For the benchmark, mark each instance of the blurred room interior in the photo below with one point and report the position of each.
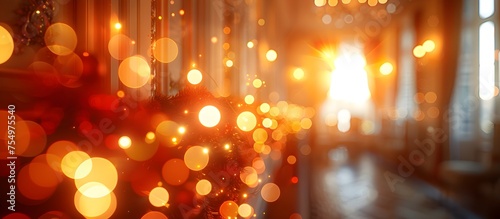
(391, 107)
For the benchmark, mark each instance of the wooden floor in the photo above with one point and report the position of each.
(342, 187)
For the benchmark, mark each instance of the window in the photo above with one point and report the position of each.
(471, 113)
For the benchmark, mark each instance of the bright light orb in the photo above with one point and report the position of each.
(298, 74)
(267, 122)
(203, 187)
(246, 121)
(158, 197)
(209, 116)
(265, 107)
(194, 76)
(386, 68)
(229, 63)
(150, 137)
(320, 3)
(429, 45)
(124, 142)
(249, 99)
(102, 171)
(419, 51)
(257, 83)
(102, 207)
(250, 44)
(245, 210)
(7, 45)
(196, 158)
(271, 55)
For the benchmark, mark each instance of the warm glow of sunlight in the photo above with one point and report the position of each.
(349, 80)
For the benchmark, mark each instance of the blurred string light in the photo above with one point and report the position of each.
(118, 26)
(229, 63)
(261, 22)
(257, 83)
(298, 74)
(420, 50)
(213, 39)
(124, 142)
(250, 44)
(429, 45)
(249, 99)
(194, 76)
(271, 55)
(333, 3)
(209, 116)
(386, 68)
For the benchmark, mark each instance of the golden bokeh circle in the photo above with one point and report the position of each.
(246, 121)
(134, 72)
(228, 209)
(203, 187)
(196, 158)
(165, 50)
(61, 39)
(158, 197)
(7, 45)
(102, 171)
(209, 116)
(270, 192)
